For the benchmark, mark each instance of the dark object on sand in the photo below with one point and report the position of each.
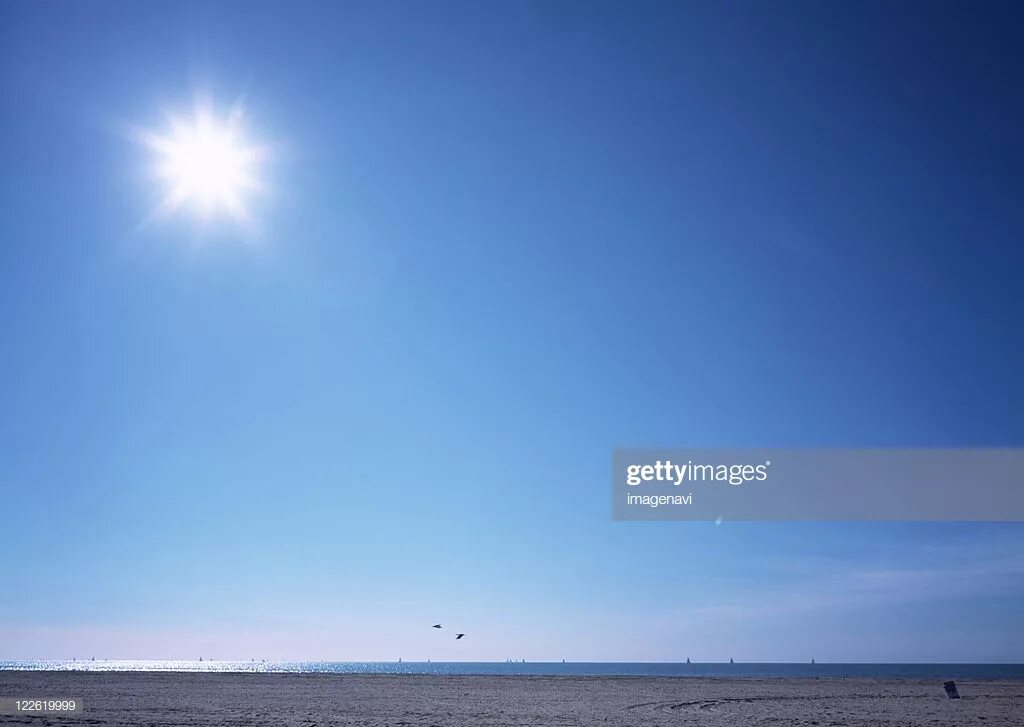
(437, 626)
(458, 636)
(950, 688)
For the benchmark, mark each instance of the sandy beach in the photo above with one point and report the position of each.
(167, 699)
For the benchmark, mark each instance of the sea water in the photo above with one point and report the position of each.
(790, 670)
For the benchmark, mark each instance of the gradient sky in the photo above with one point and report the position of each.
(500, 240)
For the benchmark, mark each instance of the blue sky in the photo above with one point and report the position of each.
(498, 241)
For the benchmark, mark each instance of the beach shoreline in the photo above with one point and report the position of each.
(194, 698)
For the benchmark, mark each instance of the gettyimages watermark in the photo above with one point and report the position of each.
(818, 484)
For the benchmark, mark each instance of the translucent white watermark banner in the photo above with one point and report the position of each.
(818, 484)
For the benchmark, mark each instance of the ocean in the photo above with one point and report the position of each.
(791, 670)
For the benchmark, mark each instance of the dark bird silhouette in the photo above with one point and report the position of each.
(458, 636)
(437, 626)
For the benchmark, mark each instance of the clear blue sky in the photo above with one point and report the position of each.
(500, 240)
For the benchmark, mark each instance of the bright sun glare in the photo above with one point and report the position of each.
(207, 165)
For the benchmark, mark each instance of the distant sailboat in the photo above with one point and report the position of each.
(687, 660)
(563, 661)
(731, 661)
(812, 659)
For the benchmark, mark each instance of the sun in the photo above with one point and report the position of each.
(207, 165)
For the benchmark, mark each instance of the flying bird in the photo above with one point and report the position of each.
(437, 626)
(458, 636)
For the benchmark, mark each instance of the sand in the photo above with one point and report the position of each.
(303, 700)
